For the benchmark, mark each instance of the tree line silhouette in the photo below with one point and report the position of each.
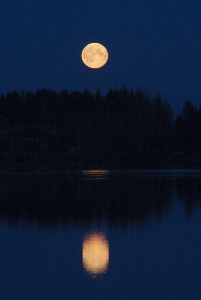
(123, 129)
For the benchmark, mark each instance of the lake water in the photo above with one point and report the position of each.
(100, 235)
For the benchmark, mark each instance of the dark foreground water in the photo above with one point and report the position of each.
(100, 235)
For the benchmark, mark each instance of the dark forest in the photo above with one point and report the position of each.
(121, 130)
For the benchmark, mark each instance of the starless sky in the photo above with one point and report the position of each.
(154, 45)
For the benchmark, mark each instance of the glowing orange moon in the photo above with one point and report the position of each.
(95, 253)
(94, 55)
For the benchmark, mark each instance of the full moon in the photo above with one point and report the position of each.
(94, 55)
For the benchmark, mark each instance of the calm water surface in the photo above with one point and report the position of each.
(100, 236)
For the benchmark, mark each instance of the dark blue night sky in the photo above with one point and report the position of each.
(153, 45)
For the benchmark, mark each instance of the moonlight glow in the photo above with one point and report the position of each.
(94, 55)
(95, 253)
